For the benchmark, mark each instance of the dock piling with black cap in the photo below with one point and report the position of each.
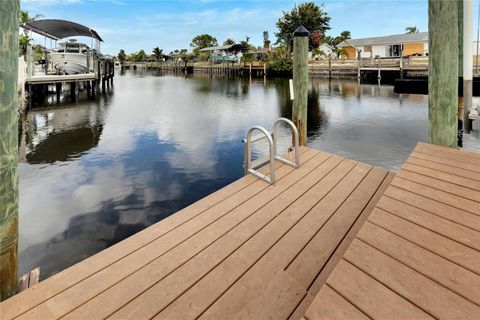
(300, 82)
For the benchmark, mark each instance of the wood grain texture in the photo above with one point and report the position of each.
(340, 308)
(443, 72)
(370, 296)
(300, 87)
(418, 254)
(9, 20)
(410, 284)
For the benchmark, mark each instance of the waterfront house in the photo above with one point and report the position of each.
(230, 53)
(326, 51)
(409, 44)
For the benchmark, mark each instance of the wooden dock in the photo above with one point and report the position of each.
(250, 250)
(332, 239)
(418, 254)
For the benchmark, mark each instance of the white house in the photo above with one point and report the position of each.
(407, 44)
(326, 50)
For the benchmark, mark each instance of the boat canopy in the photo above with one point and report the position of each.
(58, 29)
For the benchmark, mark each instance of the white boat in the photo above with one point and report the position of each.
(70, 58)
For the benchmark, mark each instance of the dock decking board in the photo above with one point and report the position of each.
(418, 254)
(250, 249)
(60, 282)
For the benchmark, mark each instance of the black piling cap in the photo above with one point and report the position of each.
(301, 32)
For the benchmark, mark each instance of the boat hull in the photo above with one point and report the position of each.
(69, 63)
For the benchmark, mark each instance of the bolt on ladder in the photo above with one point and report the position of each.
(272, 139)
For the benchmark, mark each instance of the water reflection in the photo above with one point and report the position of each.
(368, 122)
(100, 170)
(63, 134)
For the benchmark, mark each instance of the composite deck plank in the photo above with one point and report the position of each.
(317, 284)
(420, 246)
(155, 251)
(452, 276)
(454, 231)
(340, 308)
(370, 296)
(61, 281)
(438, 195)
(425, 293)
(464, 192)
(460, 182)
(445, 211)
(211, 286)
(471, 175)
(277, 258)
(310, 260)
(204, 244)
(446, 161)
(432, 241)
(461, 155)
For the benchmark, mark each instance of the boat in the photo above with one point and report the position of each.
(71, 57)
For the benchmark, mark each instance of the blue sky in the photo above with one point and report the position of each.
(144, 24)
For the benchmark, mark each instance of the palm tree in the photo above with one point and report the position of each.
(157, 52)
(25, 17)
(24, 39)
(229, 41)
(413, 29)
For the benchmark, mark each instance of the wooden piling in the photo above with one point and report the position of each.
(467, 63)
(401, 61)
(330, 67)
(89, 89)
(9, 20)
(73, 91)
(300, 82)
(443, 72)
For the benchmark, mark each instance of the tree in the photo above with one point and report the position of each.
(203, 41)
(335, 41)
(345, 35)
(157, 53)
(122, 56)
(228, 42)
(245, 47)
(266, 39)
(141, 55)
(413, 29)
(24, 39)
(138, 56)
(316, 37)
(308, 14)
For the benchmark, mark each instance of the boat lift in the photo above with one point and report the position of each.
(272, 139)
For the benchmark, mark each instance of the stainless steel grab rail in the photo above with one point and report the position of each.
(248, 155)
(272, 141)
(296, 162)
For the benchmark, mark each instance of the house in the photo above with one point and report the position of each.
(407, 44)
(326, 51)
(229, 53)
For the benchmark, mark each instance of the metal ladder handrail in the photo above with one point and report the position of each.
(296, 162)
(272, 141)
(248, 154)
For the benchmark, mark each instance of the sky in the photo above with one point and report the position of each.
(144, 24)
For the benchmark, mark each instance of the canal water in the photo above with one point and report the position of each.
(96, 171)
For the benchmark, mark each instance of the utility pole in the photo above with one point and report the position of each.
(9, 21)
(443, 72)
(300, 82)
